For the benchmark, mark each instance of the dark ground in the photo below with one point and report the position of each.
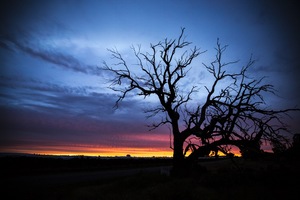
(95, 178)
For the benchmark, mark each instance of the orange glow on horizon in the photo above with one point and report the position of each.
(100, 151)
(103, 152)
(109, 151)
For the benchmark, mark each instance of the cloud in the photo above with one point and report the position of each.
(48, 97)
(28, 128)
(51, 55)
(84, 101)
(41, 113)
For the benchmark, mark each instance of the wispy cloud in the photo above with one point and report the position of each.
(51, 55)
(84, 101)
(24, 128)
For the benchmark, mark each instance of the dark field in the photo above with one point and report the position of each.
(131, 178)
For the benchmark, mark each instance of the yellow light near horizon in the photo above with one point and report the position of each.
(104, 151)
(116, 152)
(134, 152)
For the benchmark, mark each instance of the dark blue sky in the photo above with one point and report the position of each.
(53, 97)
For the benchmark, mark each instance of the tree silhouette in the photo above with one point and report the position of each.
(232, 114)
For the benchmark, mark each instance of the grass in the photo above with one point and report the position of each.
(222, 185)
(252, 180)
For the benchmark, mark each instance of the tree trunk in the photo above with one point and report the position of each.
(178, 157)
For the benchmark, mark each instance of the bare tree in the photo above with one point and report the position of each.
(232, 115)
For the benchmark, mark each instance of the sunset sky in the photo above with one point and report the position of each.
(55, 100)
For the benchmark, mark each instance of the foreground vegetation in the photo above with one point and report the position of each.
(214, 179)
(210, 186)
(44, 164)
